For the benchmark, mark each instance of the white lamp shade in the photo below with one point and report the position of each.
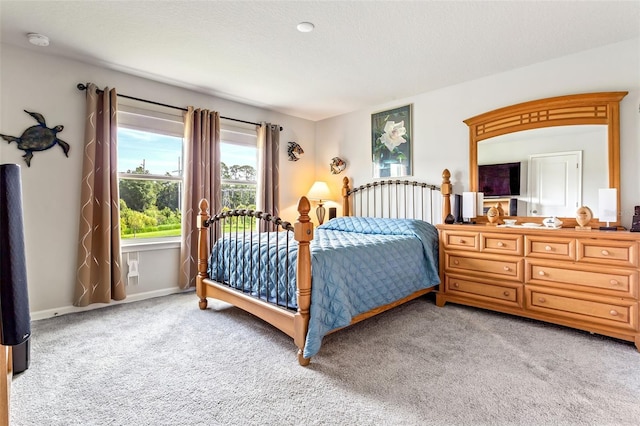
(607, 204)
(480, 204)
(319, 191)
(469, 205)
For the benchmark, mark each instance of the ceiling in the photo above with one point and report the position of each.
(361, 53)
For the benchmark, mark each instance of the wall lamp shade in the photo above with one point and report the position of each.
(319, 191)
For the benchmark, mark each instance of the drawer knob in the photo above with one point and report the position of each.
(462, 241)
(506, 294)
(614, 282)
(506, 268)
(547, 248)
(605, 252)
(500, 244)
(541, 273)
(456, 285)
(613, 312)
(541, 299)
(455, 262)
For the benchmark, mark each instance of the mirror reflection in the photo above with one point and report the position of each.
(544, 172)
(560, 165)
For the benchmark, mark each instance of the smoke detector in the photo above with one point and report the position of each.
(38, 39)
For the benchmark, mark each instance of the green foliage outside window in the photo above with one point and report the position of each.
(151, 208)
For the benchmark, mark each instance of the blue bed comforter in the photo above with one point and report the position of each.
(263, 265)
(358, 264)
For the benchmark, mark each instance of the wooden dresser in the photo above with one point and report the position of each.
(577, 278)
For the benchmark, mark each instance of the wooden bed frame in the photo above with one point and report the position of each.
(295, 323)
(6, 374)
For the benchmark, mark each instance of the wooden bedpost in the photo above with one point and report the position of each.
(303, 233)
(345, 197)
(446, 189)
(6, 375)
(203, 252)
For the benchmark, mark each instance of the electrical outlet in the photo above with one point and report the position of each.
(133, 269)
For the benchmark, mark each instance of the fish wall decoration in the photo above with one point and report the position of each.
(294, 151)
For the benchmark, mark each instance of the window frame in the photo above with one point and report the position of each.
(151, 118)
(244, 136)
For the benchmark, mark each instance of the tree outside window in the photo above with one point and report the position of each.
(149, 199)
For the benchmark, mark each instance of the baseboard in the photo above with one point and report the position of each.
(49, 313)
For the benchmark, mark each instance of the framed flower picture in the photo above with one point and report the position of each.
(391, 142)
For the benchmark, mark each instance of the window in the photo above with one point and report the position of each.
(150, 152)
(150, 172)
(239, 167)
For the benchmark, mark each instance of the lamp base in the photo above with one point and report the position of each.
(320, 210)
(608, 228)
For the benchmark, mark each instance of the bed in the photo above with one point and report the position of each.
(311, 282)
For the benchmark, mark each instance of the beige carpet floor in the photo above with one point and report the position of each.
(165, 362)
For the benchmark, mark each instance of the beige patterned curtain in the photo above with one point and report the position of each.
(268, 197)
(99, 275)
(201, 180)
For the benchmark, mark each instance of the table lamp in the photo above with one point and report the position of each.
(319, 191)
(608, 208)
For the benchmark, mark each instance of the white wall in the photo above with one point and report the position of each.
(46, 84)
(441, 139)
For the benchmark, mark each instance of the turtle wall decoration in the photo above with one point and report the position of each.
(38, 138)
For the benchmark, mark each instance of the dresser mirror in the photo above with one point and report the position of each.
(547, 157)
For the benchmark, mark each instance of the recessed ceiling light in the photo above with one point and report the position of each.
(38, 39)
(305, 27)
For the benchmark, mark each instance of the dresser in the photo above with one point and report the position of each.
(585, 279)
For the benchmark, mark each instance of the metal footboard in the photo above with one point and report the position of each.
(249, 250)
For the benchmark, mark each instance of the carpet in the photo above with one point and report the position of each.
(163, 361)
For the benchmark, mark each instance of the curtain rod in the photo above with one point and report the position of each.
(82, 86)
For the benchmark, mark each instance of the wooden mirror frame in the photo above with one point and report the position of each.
(589, 108)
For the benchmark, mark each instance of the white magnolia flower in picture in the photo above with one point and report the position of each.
(391, 141)
(393, 134)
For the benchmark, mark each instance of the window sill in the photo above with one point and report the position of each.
(128, 246)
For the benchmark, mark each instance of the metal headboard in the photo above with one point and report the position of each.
(395, 198)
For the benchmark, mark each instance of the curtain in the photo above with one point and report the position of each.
(99, 267)
(268, 197)
(201, 180)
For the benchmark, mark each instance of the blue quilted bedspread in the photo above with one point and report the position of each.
(357, 263)
(263, 265)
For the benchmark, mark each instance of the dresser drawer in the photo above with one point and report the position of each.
(461, 240)
(550, 247)
(505, 267)
(610, 281)
(489, 290)
(501, 243)
(580, 306)
(619, 253)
